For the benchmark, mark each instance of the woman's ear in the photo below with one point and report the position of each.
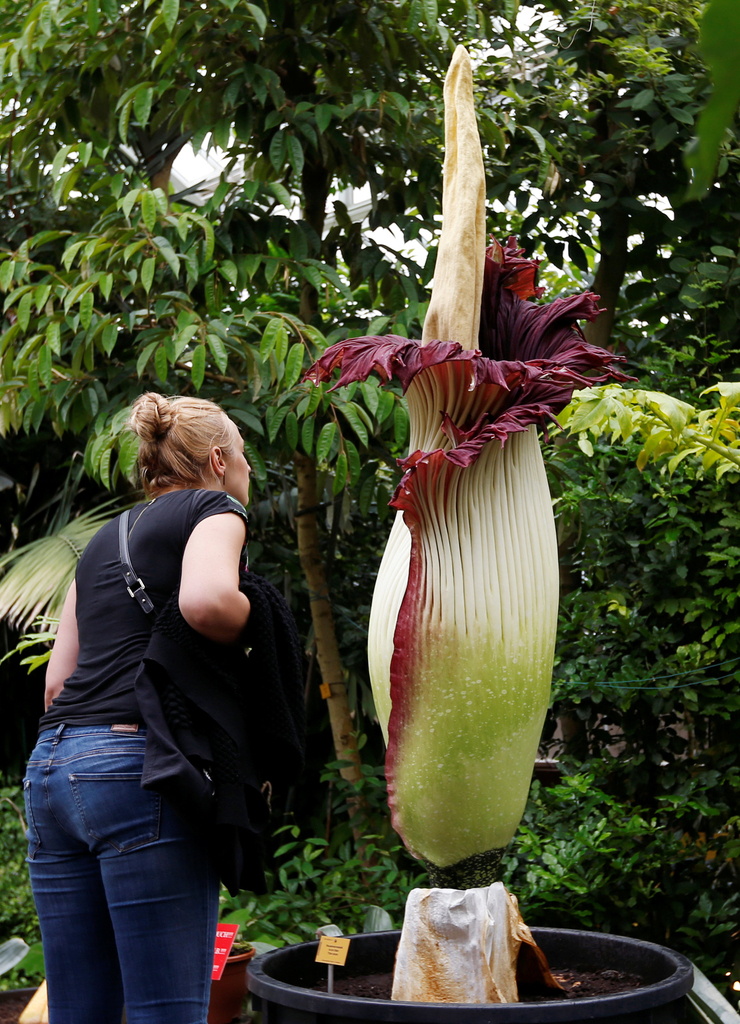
(217, 463)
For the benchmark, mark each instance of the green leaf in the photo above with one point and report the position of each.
(270, 336)
(218, 349)
(294, 365)
(6, 274)
(278, 149)
(160, 364)
(353, 456)
(147, 273)
(53, 337)
(93, 17)
(168, 253)
(126, 204)
(109, 337)
(229, 272)
(340, 474)
(24, 311)
(366, 496)
(198, 369)
(325, 440)
(259, 16)
(307, 435)
(400, 424)
(144, 357)
(719, 42)
(170, 11)
(148, 209)
(295, 154)
(256, 462)
(143, 104)
(86, 309)
(323, 116)
(274, 419)
(291, 430)
(353, 417)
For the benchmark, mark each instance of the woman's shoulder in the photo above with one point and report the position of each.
(203, 503)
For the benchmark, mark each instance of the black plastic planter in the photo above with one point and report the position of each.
(280, 983)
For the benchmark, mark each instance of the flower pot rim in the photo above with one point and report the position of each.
(235, 958)
(669, 989)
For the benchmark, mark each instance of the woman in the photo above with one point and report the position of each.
(126, 893)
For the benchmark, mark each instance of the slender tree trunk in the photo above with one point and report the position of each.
(327, 649)
(315, 181)
(610, 274)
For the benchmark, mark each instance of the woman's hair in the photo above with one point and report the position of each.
(176, 437)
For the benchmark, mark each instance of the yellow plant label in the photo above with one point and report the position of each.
(325, 690)
(332, 950)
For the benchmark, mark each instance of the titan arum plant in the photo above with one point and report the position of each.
(462, 628)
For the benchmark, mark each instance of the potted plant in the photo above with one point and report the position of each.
(462, 627)
(230, 990)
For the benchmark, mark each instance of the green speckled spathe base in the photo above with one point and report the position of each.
(474, 872)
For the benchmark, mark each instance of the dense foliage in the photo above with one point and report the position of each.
(113, 283)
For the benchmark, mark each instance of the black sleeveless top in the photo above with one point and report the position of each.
(113, 630)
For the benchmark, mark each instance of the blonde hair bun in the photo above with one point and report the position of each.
(176, 437)
(152, 416)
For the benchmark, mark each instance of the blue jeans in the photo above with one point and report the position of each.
(125, 892)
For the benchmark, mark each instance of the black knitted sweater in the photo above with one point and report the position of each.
(221, 721)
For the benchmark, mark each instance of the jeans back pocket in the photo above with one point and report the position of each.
(31, 833)
(116, 810)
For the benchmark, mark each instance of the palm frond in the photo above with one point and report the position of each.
(39, 574)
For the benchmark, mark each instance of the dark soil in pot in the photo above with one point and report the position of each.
(281, 983)
(579, 983)
(13, 1003)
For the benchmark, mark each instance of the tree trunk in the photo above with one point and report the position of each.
(315, 181)
(613, 237)
(327, 649)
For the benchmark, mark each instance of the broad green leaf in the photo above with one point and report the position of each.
(270, 336)
(149, 210)
(353, 417)
(86, 309)
(6, 274)
(307, 435)
(126, 204)
(229, 272)
(295, 154)
(53, 336)
(219, 352)
(323, 116)
(353, 457)
(143, 104)
(274, 419)
(256, 462)
(160, 364)
(340, 474)
(719, 42)
(259, 16)
(198, 368)
(294, 365)
(147, 273)
(93, 16)
(109, 337)
(400, 424)
(170, 11)
(278, 149)
(324, 442)
(291, 430)
(24, 310)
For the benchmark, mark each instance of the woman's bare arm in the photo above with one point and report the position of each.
(66, 649)
(210, 599)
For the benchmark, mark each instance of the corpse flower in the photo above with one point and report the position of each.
(462, 628)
